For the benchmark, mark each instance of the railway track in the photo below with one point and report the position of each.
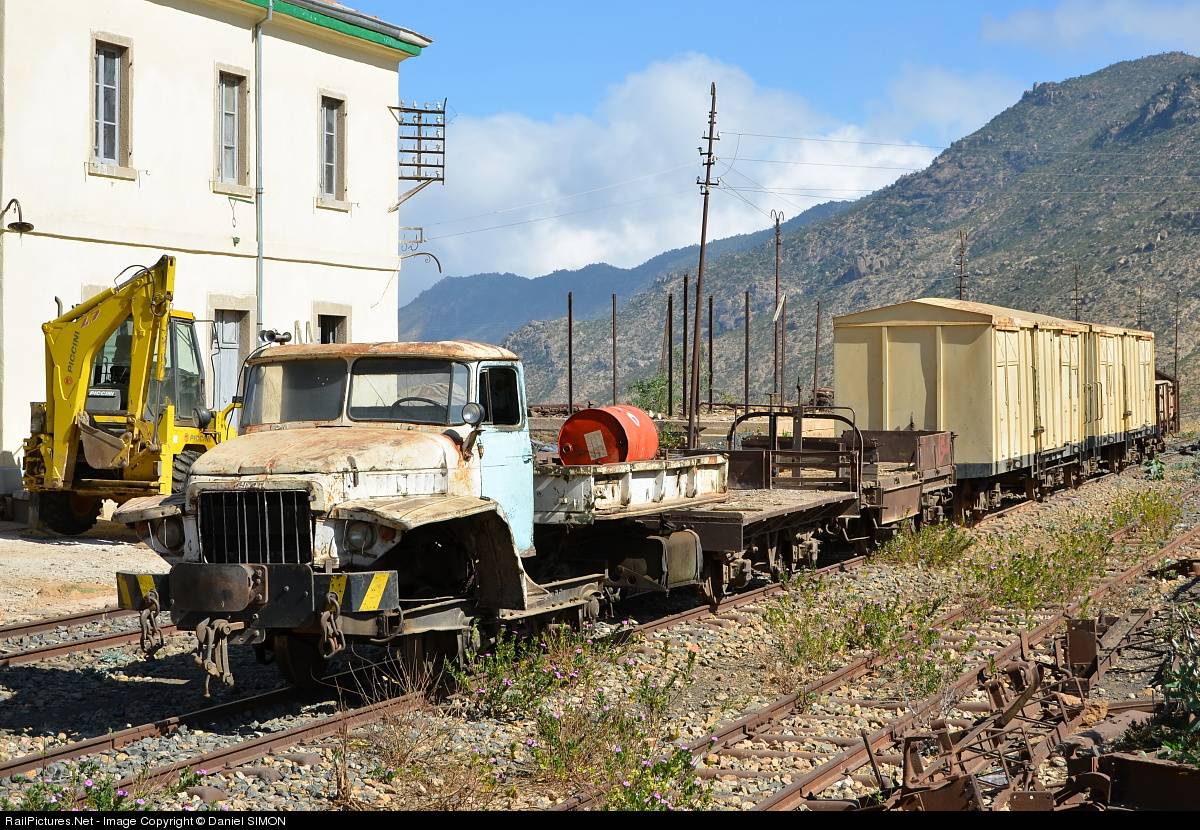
(25, 629)
(840, 753)
(245, 751)
(817, 751)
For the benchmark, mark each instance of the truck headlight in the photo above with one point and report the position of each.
(169, 532)
(360, 535)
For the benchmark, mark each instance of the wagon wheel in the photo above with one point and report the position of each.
(299, 659)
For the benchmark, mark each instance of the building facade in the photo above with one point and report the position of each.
(129, 130)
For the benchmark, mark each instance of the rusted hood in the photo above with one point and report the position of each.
(327, 450)
(408, 512)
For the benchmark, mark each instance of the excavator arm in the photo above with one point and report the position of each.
(72, 343)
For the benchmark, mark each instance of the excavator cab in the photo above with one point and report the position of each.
(125, 414)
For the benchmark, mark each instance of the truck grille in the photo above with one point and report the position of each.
(258, 527)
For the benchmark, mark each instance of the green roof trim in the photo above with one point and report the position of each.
(327, 22)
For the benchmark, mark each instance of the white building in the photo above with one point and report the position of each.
(128, 130)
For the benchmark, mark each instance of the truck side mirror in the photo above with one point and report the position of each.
(203, 415)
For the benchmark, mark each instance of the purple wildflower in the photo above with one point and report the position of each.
(89, 783)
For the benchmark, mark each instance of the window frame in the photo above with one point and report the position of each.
(479, 390)
(240, 183)
(450, 400)
(335, 198)
(118, 164)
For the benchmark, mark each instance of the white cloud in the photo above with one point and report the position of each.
(1074, 23)
(647, 129)
(942, 103)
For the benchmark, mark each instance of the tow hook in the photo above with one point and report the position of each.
(152, 637)
(212, 650)
(332, 638)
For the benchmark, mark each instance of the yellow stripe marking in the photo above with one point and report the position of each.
(145, 583)
(337, 586)
(123, 600)
(375, 592)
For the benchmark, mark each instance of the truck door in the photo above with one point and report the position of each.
(506, 468)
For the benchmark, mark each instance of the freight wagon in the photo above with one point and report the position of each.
(1035, 402)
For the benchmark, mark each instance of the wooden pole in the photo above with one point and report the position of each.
(670, 354)
(570, 353)
(710, 353)
(614, 348)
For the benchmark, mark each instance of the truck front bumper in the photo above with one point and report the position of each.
(263, 596)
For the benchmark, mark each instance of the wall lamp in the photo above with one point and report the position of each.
(20, 226)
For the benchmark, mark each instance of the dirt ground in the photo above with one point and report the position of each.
(45, 575)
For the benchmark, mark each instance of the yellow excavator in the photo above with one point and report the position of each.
(124, 414)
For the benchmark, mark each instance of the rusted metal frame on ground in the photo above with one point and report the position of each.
(9, 632)
(35, 655)
(852, 759)
(241, 753)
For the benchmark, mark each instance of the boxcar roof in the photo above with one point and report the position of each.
(940, 309)
(447, 349)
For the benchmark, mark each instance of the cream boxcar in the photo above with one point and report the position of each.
(1034, 401)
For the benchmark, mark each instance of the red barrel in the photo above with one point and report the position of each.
(608, 435)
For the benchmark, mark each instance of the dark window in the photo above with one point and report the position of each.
(500, 396)
(331, 328)
(409, 390)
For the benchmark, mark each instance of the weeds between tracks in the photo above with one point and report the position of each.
(816, 626)
(591, 715)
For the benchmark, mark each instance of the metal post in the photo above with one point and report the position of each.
(705, 189)
(783, 352)
(1178, 295)
(962, 264)
(670, 354)
(746, 359)
(614, 347)
(570, 353)
(816, 353)
(683, 398)
(710, 353)
(776, 377)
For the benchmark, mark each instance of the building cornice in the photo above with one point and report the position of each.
(348, 22)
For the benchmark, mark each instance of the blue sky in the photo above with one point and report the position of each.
(553, 99)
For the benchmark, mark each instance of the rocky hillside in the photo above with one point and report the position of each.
(1097, 172)
(488, 307)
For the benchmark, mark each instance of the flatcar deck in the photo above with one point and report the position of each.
(747, 513)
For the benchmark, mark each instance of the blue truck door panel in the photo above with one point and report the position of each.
(506, 468)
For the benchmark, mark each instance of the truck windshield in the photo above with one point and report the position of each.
(295, 390)
(411, 390)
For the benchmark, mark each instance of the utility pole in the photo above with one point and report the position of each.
(1139, 305)
(816, 353)
(570, 354)
(683, 402)
(705, 189)
(614, 347)
(777, 379)
(1178, 296)
(746, 359)
(1076, 299)
(962, 264)
(670, 354)
(710, 353)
